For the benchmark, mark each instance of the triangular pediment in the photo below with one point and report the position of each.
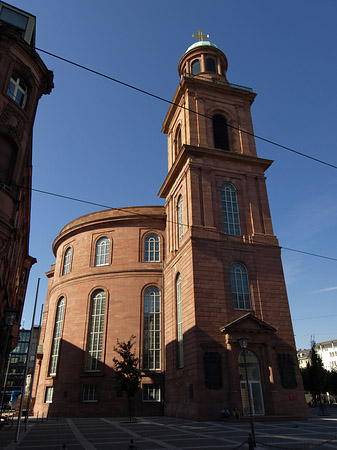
(247, 323)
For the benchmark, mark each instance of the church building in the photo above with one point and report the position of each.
(188, 279)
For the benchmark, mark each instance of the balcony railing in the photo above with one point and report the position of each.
(215, 80)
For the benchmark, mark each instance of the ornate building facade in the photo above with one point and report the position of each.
(23, 80)
(188, 279)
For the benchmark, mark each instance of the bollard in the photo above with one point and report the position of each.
(64, 447)
(42, 417)
(131, 446)
(37, 416)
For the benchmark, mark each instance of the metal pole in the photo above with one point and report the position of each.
(251, 439)
(33, 373)
(4, 385)
(26, 367)
(4, 362)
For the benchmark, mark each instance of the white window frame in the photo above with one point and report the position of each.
(230, 210)
(49, 393)
(151, 393)
(152, 329)
(19, 87)
(55, 351)
(152, 248)
(102, 252)
(240, 287)
(67, 261)
(89, 393)
(95, 332)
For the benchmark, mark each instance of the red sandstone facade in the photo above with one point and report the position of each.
(219, 275)
(23, 80)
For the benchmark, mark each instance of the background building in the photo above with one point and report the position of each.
(16, 364)
(326, 350)
(23, 80)
(187, 280)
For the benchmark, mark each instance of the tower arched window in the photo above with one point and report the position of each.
(210, 65)
(240, 287)
(230, 209)
(67, 261)
(17, 90)
(152, 248)
(180, 335)
(55, 351)
(195, 67)
(178, 142)
(220, 132)
(95, 332)
(152, 329)
(180, 219)
(102, 253)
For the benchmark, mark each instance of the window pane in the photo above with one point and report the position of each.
(95, 332)
(102, 253)
(180, 336)
(230, 214)
(67, 261)
(152, 248)
(180, 219)
(152, 329)
(220, 132)
(240, 286)
(196, 67)
(55, 351)
(210, 65)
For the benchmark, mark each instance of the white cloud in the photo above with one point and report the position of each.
(333, 288)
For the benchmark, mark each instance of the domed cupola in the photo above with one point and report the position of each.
(203, 60)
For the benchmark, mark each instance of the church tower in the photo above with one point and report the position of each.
(223, 276)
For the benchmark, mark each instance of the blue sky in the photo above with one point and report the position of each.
(89, 129)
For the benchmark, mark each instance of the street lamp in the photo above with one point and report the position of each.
(10, 318)
(243, 341)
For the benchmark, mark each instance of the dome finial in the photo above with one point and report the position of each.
(200, 36)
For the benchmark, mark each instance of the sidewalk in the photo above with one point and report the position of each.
(152, 433)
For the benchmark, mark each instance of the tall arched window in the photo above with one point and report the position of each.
(230, 210)
(240, 286)
(152, 248)
(195, 67)
(102, 253)
(210, 65)
(254, 389)
(67, 261)
(178, 142)
(180, 335)
(55, 351)
(220, 132)
(95, 332)
(180, 219)
(152, 329)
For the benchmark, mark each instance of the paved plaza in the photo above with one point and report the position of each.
(169, 433)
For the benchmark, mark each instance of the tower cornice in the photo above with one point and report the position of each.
(189, 152)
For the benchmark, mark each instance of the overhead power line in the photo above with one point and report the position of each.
(67, 197)
(158, 97)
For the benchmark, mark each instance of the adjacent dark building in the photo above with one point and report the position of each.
(23, 80)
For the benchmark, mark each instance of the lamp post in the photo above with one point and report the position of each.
(251, 438)
(10, 318)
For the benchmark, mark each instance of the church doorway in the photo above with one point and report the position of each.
(254, 384)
